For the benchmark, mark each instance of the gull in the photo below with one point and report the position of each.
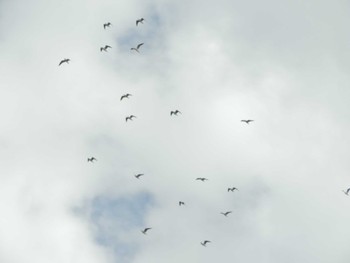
(247, 121)
(145, 230)
(105, 48)
(176, 112)
(181, 203)
(125, 96)
(139, 21)
(204, 243)
(66, 60)
(137, 47)
(226, 213)
(202, 179)
(130, 117)
(232, 189)
(92, 159)
(347, 191)
(138, 176)
(106, 25)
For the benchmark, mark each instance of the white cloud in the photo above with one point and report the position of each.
(282, 64)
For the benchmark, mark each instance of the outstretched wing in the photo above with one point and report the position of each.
(139, 45)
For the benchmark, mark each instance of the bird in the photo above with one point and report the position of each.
(181, 203)
(204, 243)
(202, 179)
(130, 117)
(105, 48)
(138, 176)
(232, 189)
(106, 25)
(145, 230)
(247, 121)
(176, 112)
(125, 96)
(137, 47)
(66, 60)
(226, 213)
(92, 159)
(347, 191)
(139, 21)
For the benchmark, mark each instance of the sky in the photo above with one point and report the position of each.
(282, 64)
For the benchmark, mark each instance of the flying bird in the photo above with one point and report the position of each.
(202, 179)
(106, 25)
(247, 121)
(66, 60)
(181, 203)
(145, 230)
(232, 189)
(130, 117)
(204, 243)
(125, 96)
(137, 47)
(92, 159)
(139, 21)
(105, 48)
(176, 112)
(226, 213)
(138, 176)
(347, 191)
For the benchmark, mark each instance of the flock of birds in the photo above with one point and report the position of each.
(173, 112)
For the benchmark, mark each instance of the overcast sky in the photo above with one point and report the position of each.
(284, 64)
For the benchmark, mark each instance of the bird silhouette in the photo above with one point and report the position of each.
(202, 179)
(181, 203)
(92, 159)
(226, 213)
(347, 191)
(105, 48)
(204, 243)
(247, 121)
(125, 96)
(232, 189)
(145, 230)
(137, 47)
(106, 25)
(139, 21)
(176, 112)
(66, 60)
(130, 118)
(138, 176)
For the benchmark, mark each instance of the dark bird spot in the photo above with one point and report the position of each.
(105, 48)
(204, 243)
(130, 117)
(106, 25)
(247, 121)
(226, 213)
(66, 60)
(145, 230)
(137, 47)
(125, 96)
(138, 176)
(202, 179)
(92, 159)
(139, 21)
(176, 112)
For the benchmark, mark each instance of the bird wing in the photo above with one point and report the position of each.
(106, 46)
(139, 45)
(122, 97)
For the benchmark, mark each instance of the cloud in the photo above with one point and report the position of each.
(282, 64)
